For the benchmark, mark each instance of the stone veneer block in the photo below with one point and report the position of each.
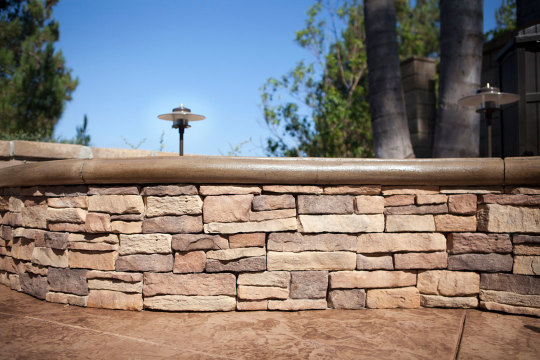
(524, 200)
(309, 284)
(519, 310)
(309, 260)
(172, 224)
(272, 214)
(463, 243)
(406, 298)
(247, 227)
(250, 264)
(127, 217)
(353, 190)
(189, 284)
(467, 302)
(116, 204)
(525, 249)
(520, 284)
(434, 260)
(527, 265)
(34, 285)
(368, 204)
(480, 262)
(410, 190)
(509, 219)
(293, 189)
(113, 190)
(189, 242)
(341, 223)
(248, 292)
(267, 278)
(472, 190)
(297, 304)
(107, 299)
(169, 190)
(503, 297)
(90, 246)
(95, 260)
(398, 200)
(247, 240)
(14, 282)
(273, 202)
(115, 275)
(234, 254)
(431, 199)
(33, 217)
(22, 249)
(50, 257)
(70, 299)
(15, 204)
(227, 208)
(325, 204)
(114, 285)
(68, 227)
(383, 262)
(252, 305)
(153, 263)
(522, 190)
(384, 242)
(296, 242)
(464, 204)
(71, 281)
(448, 283)
(190, 303)
(526, 239)
(74, 239)
(190, 262)
(56, 191)
(145, 244)
(173, 205)
(97, 223)
(371, 279)
(126, 227)
(229, 189)
(396, 223)
(347, 299)
(417, 209)
(447, 223)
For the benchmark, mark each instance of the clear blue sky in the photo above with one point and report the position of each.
(137, 59)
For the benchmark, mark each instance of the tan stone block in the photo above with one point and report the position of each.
(190, 303)
(116, 204)
(252, 305)
(173, 224)
(4, 203)
(93, 246)
(22, 249)
(431, 199)
(468, 302)
(14, 282)
(17, 219)
(353, 190)
(272, 214)
(4, 278)
(34, 217)
(410, 190)
(309, 284)
(267, 278)
(384, 242)
(229, 189)
(113, 190)
(296, 242)
(297, 304)
(434, 260)
(92, 238)
(293, 189)
(472, 190)
(67, 215)
(448, 223)
(234, 254)
(525, 200)
(145, 244)
(347, 299)
(115, 275)
(139, 262)
(462, 204)
(448, 283)
(97, 223)
(369, 204)
(526, 249)
(96, 260)
(56, 297)
(522, 190)
(417, 210)
(527, 265)
(504, 297)
(35, 269)
(519, 310)
(125, 227)
(227, 208)
(341, 223)
(115, 285)
(247, 240)
(68, 202)
(273, 202)
(395, 223)
(171, 190)
(50, 257)
(463, 243)
(189, 242)
(191, 262)
(398, 200)
(308, 260)
(364, 262)
(107, 299)
(261, 226)
(508, 219)
(371, 279)
(325, 204)
(173, 205)
(248, 292)
(249, 264)
(189, 284)
(15, 204)
(67, 227)
(407, 298)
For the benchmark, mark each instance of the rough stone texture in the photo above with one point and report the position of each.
(467, 302)
(472, 190)
(371, 279)
(93, 246)
(227, 208)
(68, 227)
(56, 240)
(50, 257)
(247, 227)
(58, 297)
(448, 283)
(268, 278)
(383, 262)
(115, 275)
(145, 244)
(297, 304)
(309, 284)
(33, 217)
(480, 262)
(247, 240)
(273, 202)
(15, 204)
(248, 292)
(434, 260)
(503, 297)
(189, 242)
(309, 260)
(447, 223)
(163, 190)
(526, 239)
(173, 205)
(527, 265)
(296, 242)
(272, 214)
(525, 200)
(522, 190)
(408, 190)
(190, 303)
(97, 223)
(113, 190)
(520, 284)
(384, 243)
(116, 204)
(14, 282)
(463, 243)
(229, 190)
(353, 190)
(75, 239)
(252, 305)
(398, 200)
(96, 260)
(115, 285)
(127, 217)
(417, 209)
(526, 249)
(431, 199)
(17, 219)
(191, 262)
(341, 223)
(173, 224)
(234, 254)
(36, 286)
(251, 264)
(407, 298)
(509, 219)
(325, 204)
(462, 204)
(293, 189)
(124, 227)
(71, 281)
(22, 249)
(189, 284)
(114, 300)
(36, 269)
(154, 262)
(347, 299)
(519, 310)
(395, 223)
(368, 204)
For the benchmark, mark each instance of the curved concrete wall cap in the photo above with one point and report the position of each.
(215, 169)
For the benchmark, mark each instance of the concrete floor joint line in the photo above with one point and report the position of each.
(460, 338)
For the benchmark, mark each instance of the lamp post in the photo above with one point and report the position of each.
(181, 117)
(488, 100)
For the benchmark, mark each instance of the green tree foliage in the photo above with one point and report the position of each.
(35, 84)
(417, 28)
(505, 16)
(82, 137)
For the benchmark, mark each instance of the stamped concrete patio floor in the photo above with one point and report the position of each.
(33, 329)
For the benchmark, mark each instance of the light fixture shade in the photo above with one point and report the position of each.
(488, 97)
(180, 115)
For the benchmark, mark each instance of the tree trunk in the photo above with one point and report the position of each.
(457, 128)
(391, 138)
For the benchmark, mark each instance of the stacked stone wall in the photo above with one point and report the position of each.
(191, 247)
